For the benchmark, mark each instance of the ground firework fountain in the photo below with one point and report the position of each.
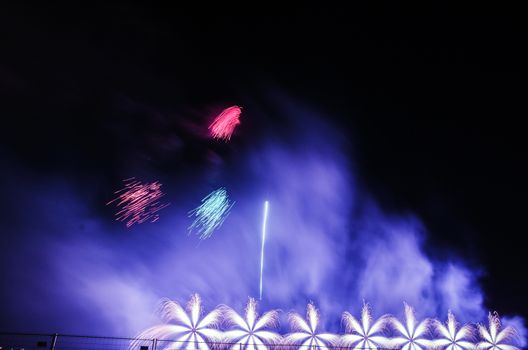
(256, 333)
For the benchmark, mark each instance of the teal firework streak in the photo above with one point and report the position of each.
(211, 213)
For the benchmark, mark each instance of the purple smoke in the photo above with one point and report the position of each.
(327, 241)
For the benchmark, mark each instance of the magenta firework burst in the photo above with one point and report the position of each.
(138, 202)
(224, 124)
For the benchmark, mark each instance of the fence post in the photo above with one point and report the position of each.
(240, 346)
(154, 343)
(53, 341)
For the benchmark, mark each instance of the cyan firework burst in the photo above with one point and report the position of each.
(211, 213)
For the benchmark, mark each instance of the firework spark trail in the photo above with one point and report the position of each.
(186, 330)
(453, 337)
(264, 225)
(412, 335)
(211, 213)
(138, 202)
(306, 334)
(181, 330)
(224, 124)
(493, 338)
(364, 335)
(251, 333)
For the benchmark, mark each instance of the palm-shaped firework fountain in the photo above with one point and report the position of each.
(364, 334)
(184, 330)
(251, 332)
(453, 337)
(493, 338)
(306, 334)
(411, 335)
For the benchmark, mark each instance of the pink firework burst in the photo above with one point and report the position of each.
(224, 124)
(138, 202)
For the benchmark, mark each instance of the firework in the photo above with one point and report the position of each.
(493, 338)
(184, 330)
(264, 224)
(250, 333)
(364, 335)
(224, 124)
(211, 213)
(188, 330)
(412, 335)
(306, 331)
(138, 202)
(453, 337)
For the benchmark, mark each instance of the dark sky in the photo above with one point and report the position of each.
(432, 99)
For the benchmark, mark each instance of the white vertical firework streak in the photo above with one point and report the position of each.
(264, 226)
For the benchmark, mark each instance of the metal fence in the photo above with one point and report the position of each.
(31, 341)
(24, 341)
(28, 341)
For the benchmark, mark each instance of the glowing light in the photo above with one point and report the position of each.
(187, 331)
(364, 335)
(251, 333)
(138, 202)
(183, 330)
(306, 334)
(211, 213)
(493, 338)
(453, 338)
(264, 224)
(412, 335)
(224, 124)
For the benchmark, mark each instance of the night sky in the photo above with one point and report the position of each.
(429, 101)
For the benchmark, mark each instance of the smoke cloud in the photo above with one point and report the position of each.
(75, 271)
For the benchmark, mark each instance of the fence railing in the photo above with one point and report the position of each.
(32, 341)
(35, 341)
